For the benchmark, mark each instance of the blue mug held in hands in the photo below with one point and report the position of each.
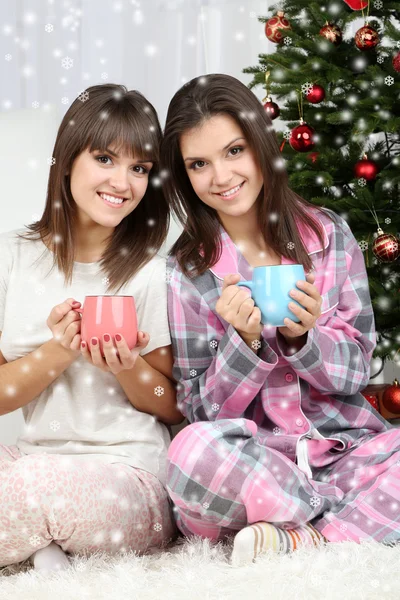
(270, 287)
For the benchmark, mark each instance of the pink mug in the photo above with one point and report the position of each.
(109, 314)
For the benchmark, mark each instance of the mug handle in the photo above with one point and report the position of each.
(248, 284)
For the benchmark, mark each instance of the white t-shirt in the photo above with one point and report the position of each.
(84, 412)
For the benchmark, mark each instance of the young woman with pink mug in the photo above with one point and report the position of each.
(97, 409)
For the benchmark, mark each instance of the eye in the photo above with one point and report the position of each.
(198, 164)
(102, 160)
(143, 171)
(236, 150)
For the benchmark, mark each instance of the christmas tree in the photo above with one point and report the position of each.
(336, 87)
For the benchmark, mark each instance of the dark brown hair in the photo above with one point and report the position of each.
(101, 116)
(195, 102)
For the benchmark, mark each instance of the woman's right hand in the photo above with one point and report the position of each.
(65, 325)
(237, 308)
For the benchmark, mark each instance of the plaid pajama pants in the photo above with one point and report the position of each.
(222, 477)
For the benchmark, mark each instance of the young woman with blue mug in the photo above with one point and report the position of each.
(282, 448)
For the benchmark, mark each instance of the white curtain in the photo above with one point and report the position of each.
(50, 50)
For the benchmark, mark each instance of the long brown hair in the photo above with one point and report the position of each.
(198, 100)
(103, 115)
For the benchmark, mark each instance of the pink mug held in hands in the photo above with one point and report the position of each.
(109, 314)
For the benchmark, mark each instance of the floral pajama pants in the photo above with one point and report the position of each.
(83, 505)
(222, 476)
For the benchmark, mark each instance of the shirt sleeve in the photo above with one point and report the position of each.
(336, 357)
(218, 375)
(151, 308)
(5, 270)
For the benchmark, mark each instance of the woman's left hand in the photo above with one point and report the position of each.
(311, 300)
(116, 358)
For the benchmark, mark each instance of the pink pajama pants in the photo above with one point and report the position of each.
(84, 506)
(222, 476)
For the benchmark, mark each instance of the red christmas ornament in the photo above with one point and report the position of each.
(366, 168)
(366, 38)
(386, 247)
(274, 24)
(357, 4)
(391, 398)
(313, 156)
(396, 62)
(272, 109)
(301, 138)
(316, 95)
(332, 33)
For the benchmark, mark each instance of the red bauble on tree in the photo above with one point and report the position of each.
(366, 168)
(274, 24)
(366, 38)
(313, 156)
(357, 4)
(386, 247)
(391, 398)
(301, 138)
(331, 32)
(271, 108)
(316, 95)
(396, 62)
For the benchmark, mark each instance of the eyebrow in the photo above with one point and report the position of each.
(144, 160)
(224, 148)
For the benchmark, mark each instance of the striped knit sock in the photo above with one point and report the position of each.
(260, 537)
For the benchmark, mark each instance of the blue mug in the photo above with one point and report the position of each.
(270, 287)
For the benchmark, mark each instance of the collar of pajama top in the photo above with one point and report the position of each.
(306, 404)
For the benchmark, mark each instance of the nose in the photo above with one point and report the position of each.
(119, 180)
(222, 175)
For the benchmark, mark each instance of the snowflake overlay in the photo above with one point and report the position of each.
(362, 182)
(256, 344)
(83, 96)
(215, 407)
(307, 87)
(389, 80)
(363, 245)
(315, 501)
(67, 63)
(159, 390)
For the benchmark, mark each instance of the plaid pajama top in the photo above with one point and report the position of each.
(304, 404)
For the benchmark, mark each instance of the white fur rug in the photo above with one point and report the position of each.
(197, 569)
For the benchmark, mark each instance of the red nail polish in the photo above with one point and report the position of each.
(83, 344)
(106, 337)
(118, 337)
(94, 342)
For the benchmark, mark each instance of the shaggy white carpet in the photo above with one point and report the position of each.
(197, 569)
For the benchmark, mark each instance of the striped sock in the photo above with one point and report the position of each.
(260, 537)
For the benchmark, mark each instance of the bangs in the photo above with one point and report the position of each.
(125, 133)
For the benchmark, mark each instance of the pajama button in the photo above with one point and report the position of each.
(289, 377)
(299, 422)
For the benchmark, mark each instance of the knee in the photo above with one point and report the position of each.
(190, 437)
